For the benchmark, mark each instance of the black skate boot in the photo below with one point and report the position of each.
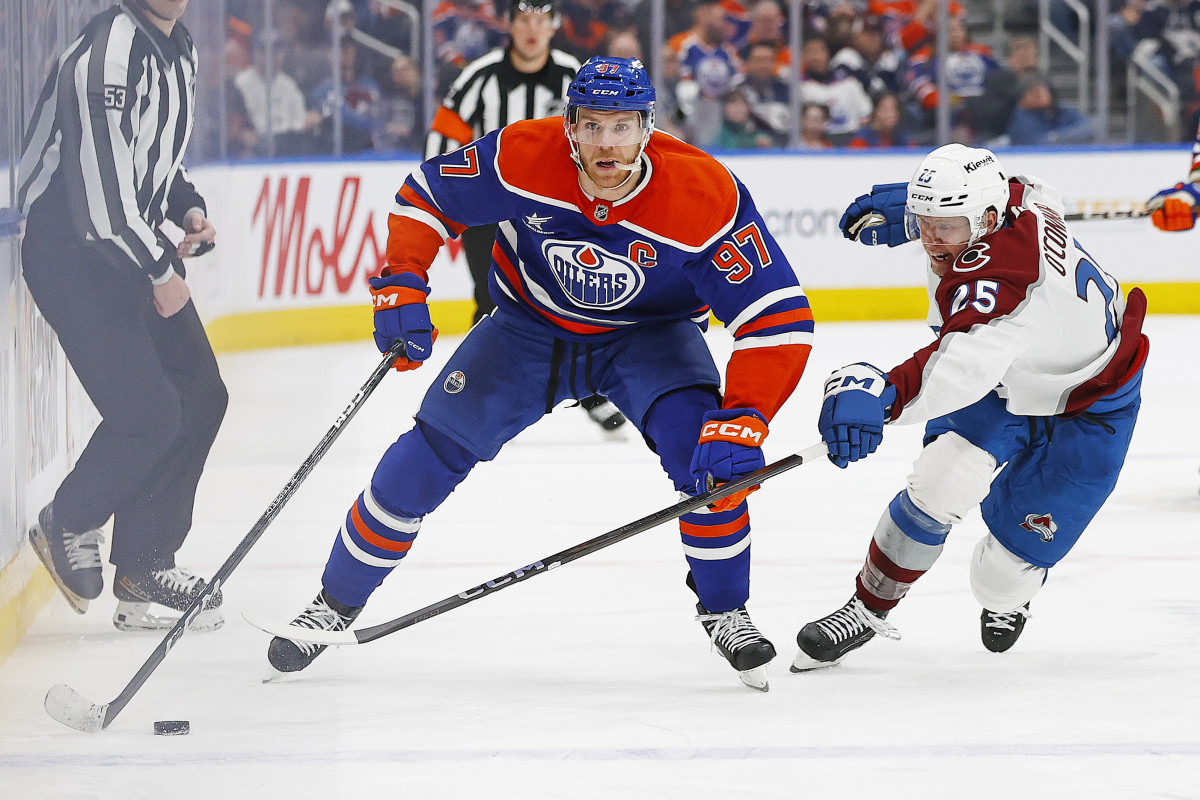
(736, 638)
(322, 614)
(1001, 631)
(603, 412)
(142, 593)
(824, 641)
(72, 559)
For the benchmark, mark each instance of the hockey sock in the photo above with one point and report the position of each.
(906, 543)
(717, 547)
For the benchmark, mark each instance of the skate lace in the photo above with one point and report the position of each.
(318, 616)
(851, 620)
(177, 579)
(1005, 620)
(83, 549)
(732, 629)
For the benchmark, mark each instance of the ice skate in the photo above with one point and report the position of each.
(143, 597)
(824, 641)
(603, 413)
(736, 638)
(72, 559)
(322, 614)
(1000, 631)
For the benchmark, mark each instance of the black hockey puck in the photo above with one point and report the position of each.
(172, 727)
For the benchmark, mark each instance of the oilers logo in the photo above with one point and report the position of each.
(455, 382)
(592, 276)
(1041, 524)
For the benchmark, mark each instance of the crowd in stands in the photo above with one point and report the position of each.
(869, 70)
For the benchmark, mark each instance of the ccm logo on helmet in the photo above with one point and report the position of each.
(730, 431)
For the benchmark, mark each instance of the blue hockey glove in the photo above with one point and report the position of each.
(853, 412)
(401, 313)
(878, 217)
(1175, 208)
(730, 447)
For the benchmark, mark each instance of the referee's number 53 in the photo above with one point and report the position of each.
(114, 97)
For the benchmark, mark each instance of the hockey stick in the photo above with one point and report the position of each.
(364, 635)
(75, 711)
(865, 226)
(1125, 213)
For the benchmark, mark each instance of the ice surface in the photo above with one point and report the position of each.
(594, 681)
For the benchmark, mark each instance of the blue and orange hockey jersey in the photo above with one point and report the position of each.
(686, 241)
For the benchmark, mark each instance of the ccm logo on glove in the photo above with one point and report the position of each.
(737, 431)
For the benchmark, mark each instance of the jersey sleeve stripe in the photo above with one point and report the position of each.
(763, 303)
(418, 215)
(780, 319)
(410, 196)
(775, 340)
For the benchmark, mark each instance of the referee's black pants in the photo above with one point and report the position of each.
(477, 247)
(155, 383)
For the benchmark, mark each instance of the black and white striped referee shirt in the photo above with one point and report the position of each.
(105, 144)
(490, 93)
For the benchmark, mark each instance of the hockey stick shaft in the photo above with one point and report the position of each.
(1127, 213)
(596, 544)
(76, 712)
(865, 226)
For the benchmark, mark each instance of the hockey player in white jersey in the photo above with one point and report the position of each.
(1029, 393)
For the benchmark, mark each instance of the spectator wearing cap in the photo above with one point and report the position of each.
(1040, 120)
(868, 59)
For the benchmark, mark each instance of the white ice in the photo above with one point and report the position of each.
(594, 681)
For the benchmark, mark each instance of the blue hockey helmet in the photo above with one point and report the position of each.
(605, 83)
(612, 84)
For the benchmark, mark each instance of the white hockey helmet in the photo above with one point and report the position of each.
(956, 181)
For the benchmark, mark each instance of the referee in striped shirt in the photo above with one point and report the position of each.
(526, 80)
(100, 172)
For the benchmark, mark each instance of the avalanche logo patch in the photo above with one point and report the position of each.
(455, 382)
(592, 276)
(1041, 524)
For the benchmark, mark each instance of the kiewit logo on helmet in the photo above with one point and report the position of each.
(974, 165)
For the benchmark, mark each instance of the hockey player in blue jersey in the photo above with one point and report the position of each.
(615, 243)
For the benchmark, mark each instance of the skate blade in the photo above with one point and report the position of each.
(135, 617)
(755, 678)
(78, 604)
(273, 675)
(803, 662)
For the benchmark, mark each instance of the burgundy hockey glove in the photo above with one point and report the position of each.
(730, 447)
(401, 313)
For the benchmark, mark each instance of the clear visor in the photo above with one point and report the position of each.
(609, 131)
(936, 230)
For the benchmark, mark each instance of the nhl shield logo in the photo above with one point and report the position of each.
(1041, 524)
(600, 212)
(455, 382)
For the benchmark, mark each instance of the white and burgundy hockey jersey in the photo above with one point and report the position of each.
(1027, 312)
(688, 239)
